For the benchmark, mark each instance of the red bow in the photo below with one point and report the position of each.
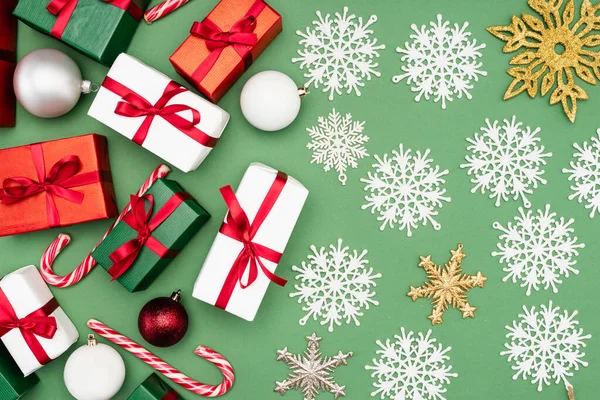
(239, 228)
(37, 323)
(171, 395)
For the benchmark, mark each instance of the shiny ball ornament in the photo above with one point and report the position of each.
(94, 372)
(48, 83)
(163, 321)
(270, 100)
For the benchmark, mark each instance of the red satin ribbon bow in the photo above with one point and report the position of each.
(37, 323)
(139, 219)
(171, 395)
(239, 228)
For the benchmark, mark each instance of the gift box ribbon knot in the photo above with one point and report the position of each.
(133, 105)
(63, 9)
(37, 323)
(171, 395)
(238, 227)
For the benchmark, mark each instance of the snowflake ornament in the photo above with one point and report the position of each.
(338, 143)
(505, 160)
(335, 285)
(545, 346)
(411, 367)
(441, 62)
(538, 249)
(339, 53)
(405, 189)
(585, 174)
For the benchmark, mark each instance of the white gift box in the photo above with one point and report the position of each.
(163, 139)
(274, 233)
(27, 292)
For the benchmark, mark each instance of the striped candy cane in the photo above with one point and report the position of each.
(166, 369)
(163, 9)
(88, 263)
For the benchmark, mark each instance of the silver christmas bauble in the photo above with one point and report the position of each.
(48, 83)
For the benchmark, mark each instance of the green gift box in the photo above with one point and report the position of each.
(100, 29)
(153, 388)
(147, 247)
(12, 383)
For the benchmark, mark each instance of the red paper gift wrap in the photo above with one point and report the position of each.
(222, 46)
(56, 183)
(8, 48)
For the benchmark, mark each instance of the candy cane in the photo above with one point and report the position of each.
(163, 9)
(88, 263)
(166, 369)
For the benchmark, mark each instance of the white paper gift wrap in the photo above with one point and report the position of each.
(27, 292)
(163, 139)
(274, 234)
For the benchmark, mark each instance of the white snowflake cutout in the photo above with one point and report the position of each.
(335, 285)
(339, 53)
(585, 174)
(441, 62)
(411, 367)
(545, 345)
(338, 143)
(538, 249)
(406, 189)
(505, 160)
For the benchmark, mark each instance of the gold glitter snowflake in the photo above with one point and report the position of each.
(447, 287)
(552, 51)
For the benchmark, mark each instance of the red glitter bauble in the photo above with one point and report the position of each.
(163, 321)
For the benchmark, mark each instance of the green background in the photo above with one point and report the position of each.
(392, 117)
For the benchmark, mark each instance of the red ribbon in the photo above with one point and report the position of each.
(139, 219)
(133, 105)
(171, 395)
(239, 228)
(37, 323)
(63, 175)
(63, 9)
(240, 36)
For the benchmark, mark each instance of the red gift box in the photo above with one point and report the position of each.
(56, 183)
(8, 49)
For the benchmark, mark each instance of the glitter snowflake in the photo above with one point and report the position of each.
(411, 367)
(538, 249)
(545, 345)
(506, 160)
(335, 285)
(339, 53)
(585, 174)
(441, 62)
(338, 143)
(405, 189)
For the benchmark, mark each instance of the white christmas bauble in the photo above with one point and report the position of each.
(94, 372)
(270, 100)
(48, 83)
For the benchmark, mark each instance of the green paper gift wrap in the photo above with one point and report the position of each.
(153, 388)
(12, 383)
(99, 29)
(171, 235)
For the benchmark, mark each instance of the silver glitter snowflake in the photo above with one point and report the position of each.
(505, 160)
(538, 249)
(339, 53)
(335, 285)
(441, 62)
(411, 367)
(406, 189)
(311, 371)
(545, 345)
(585, 174)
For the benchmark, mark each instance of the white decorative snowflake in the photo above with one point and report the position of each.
(337, 143)
(545, 345)
(339, 53)
(585, 174)
(405, 189)
(411, 368)
(441, 62)
(335, 285)
(506, 160)
(538, 249)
